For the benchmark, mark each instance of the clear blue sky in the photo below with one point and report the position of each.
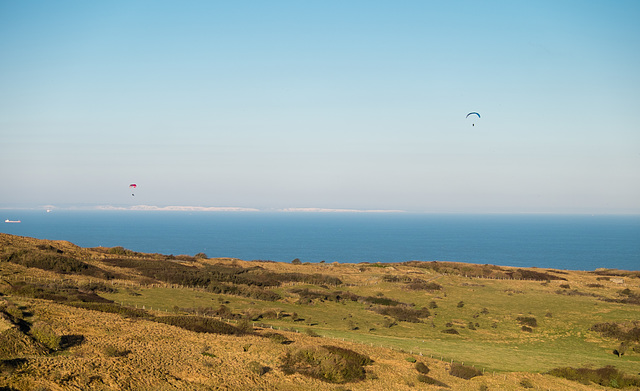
(328, 104)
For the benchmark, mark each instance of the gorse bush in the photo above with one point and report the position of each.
(201, 324)
(623, 332)
(54, 261)
(527, 321)
(483, 271)
(464, 372)
(189, 275)
(424, 286)
(606, 376)
(328, 363)
(60, 292)
(43, 333)
(422, 368)
(403, 314)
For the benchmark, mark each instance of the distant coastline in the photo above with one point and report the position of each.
(244, 209)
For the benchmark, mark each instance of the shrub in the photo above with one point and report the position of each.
(200, 324)
(424, 286)
(311, 333)
(327, 363)
(527, 321)
(422, 368)
(623, 332)
(606, 376)
(464, 372)
(460, 304)
(451, 331)
(527, 329)
(114, 308)
(278, 338)
(403, 314)
(43, 333)
(526, 383)
(54, 261)
(257, 368)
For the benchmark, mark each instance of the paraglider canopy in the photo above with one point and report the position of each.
(472, 114)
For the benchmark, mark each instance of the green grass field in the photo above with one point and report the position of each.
(561, 337)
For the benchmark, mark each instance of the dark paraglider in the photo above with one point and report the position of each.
(472, 114)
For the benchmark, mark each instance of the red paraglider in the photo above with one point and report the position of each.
(133, 186)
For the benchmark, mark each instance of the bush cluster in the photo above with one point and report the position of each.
(307, 295)
(464, 372)
(607, 376)
(254, 292)
(53, 260)
(113, 308)
(403, 313)
(624, 333)
(422, 367)
(527, 321)
(424, 286)
(328, 363)
(201, 324)
(187, 275)
(60, 292)
(483, 271)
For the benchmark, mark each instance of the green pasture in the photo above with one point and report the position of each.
(561, 337)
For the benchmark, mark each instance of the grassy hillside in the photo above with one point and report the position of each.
(110, 318)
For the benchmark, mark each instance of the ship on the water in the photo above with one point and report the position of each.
(12, 221)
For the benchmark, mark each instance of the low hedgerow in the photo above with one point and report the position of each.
(464, 372)
(607, 376)
(327, 363)
(403, 313)
(424, 286)
(113, 308)
(277, 338)
(201, 324)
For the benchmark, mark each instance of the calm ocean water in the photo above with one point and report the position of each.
(573, 242)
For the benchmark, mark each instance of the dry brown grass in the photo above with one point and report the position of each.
(161, 357)
(117, 353)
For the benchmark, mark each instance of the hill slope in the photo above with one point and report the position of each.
(77, 318)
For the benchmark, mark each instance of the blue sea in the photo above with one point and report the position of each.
(573, 242)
